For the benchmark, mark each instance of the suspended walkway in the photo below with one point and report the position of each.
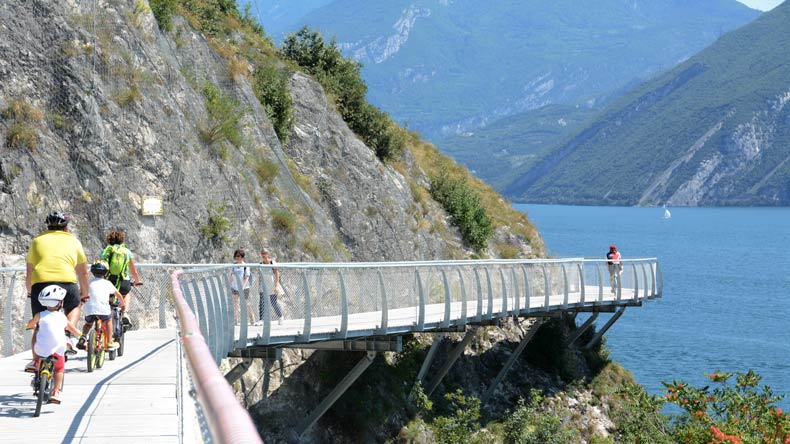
(168, 388)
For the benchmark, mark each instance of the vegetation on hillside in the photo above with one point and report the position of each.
(341, 78)
(733, 91)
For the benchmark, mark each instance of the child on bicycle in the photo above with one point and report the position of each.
(102, 292)
(51, 336)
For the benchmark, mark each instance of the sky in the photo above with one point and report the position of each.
(763, 5)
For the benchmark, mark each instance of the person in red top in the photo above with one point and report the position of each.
(615, 267)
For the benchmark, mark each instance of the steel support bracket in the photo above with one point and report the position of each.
(238, 371)
(270, 353)
(603, 330)
(372, 344)
(513, 357)
(580, 330)
(454, 355)
(336, 393)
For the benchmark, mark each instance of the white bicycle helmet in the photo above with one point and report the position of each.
(51, 295)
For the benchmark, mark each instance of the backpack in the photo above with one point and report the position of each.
(118, 259)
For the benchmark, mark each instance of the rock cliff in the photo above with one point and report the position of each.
(99, 109)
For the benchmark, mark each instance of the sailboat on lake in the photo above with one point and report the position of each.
(667, 214)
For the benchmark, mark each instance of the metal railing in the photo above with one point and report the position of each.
(228, 421)
(322, 301)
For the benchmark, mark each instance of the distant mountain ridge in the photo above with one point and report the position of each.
(429, 63)
(713, 131)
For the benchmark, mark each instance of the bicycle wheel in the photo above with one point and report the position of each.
(91, 349)
(120, 344)
(44, 388)
(100, 349)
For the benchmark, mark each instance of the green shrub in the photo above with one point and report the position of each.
(271, 87)
(22, 135)
(217, 225)
(535, 423)
(464, 205)
(163, 10)
(225, 116)
(341, 78)
(462, 424)
(128, 96)
(283, 220)
(266, 170)
(24, 118)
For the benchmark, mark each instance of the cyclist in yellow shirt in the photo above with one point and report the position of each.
(56, 257)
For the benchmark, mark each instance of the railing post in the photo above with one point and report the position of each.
(564, 286)
(600, 281)
(201, 311)
(490, 311)
(516, 292)
(527, 289)
(463, 296)
(546, 288)
(659, 281)
(652, 280)
(502, 282)
(580, 267)
(421, 294)
(446, 320)
(384, 304)
(211, 319)
(8, 330)
(479, 315)
(219, 320)
(636, 282)
(308, 309)
(243, 316)
(266, 332)
(343, 307)
(224, 284)
(162, 304)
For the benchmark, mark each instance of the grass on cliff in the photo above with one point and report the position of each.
(501, 213)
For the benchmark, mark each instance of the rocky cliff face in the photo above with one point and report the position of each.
(100, 109)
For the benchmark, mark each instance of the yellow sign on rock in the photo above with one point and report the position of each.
(152, 206)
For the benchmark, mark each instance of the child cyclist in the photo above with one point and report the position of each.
(101, 292)
(51, 336)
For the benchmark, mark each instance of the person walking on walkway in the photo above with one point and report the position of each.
(274, 287)
(240, 274)
(56, 257)
(615, 267)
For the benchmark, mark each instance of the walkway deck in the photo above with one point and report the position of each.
(138, 389)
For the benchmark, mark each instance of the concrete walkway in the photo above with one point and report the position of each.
(132, 399)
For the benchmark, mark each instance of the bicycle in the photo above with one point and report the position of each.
(97, 345)
(118, 328)
(43, 382)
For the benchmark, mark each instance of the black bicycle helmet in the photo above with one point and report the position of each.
(99, 268)
(56, 220)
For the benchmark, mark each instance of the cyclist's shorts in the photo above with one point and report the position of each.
(58, 365)
(70, 302)
(123, 286)
(92, 318)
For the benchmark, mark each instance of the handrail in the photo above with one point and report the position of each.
(228, 420)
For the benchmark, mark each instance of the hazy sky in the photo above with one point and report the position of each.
(763, 5)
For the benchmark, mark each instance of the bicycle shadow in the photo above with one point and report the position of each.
(19, 405)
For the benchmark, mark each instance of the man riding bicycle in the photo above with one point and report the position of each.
(56, 257)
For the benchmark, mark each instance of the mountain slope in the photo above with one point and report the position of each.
(448, 67)
(498, 152)
(713, 131)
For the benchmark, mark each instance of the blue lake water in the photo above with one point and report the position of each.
(726, 287)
